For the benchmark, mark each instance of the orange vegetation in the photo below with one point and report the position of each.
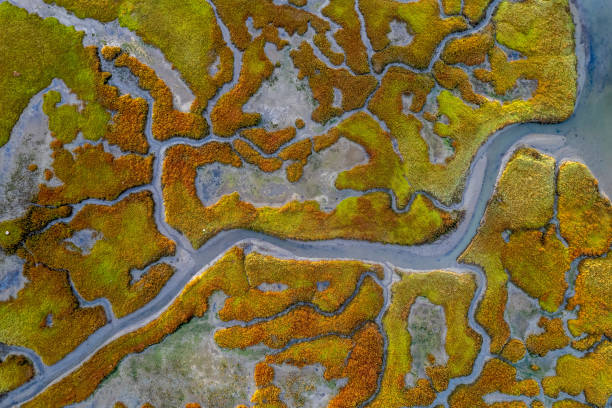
(359, 359)
(265, 13)
(79, 384)
(326, 140)
(127, 129)
(264, 374)
(591, 374)
(269, 142)
(227, 116)
(167, 122)
(323, 80)
(469, 50)
(348, 37)
(553, 338)
(227, 275)
(455, 78)
(355, 217)
(110, 52)
(304, 322)
(299, 153)
(513, 351)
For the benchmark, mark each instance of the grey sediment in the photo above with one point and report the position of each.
(488, 162)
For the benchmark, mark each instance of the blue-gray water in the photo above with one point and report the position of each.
(588, 137)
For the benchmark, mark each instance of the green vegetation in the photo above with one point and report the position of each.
(585, 215)
(384, 169)
(423, 22)
(129, 239)
(452, 291)
(91, 172)
(12, 232)
(474, 9)
(496, 376)
(551, 63)
(537, 263)
(523, 199)
(34, 51)
(593, 294)
(591, 374)
(401, 123)
(15, 370)
(187, 34)
(225, 274)
(369, 217)
(65, 121)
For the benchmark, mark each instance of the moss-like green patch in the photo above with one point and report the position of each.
(12, 232)
(94, 173)
(591, 374)
(48, 293)
(34, 51)
(593, 294)
(523, 199)
(66, 121)
(130, 240)
(15, 370)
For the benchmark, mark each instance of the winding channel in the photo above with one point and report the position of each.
(571, 139)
